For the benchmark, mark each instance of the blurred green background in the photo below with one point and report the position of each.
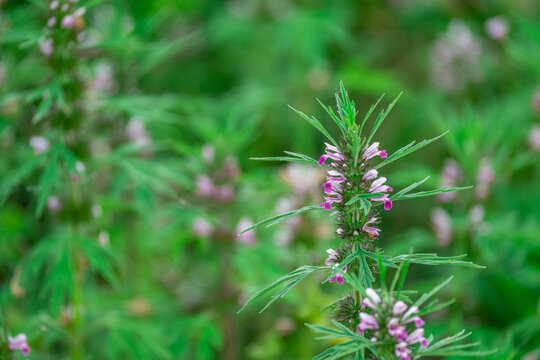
(125, 173)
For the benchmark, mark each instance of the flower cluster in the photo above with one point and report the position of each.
(335, 257)
(336, 180)
(391, 323)
(64, 16)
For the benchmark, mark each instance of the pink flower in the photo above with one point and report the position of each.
(68, 22)
(51, 22)
(534, 135)
(371, 299)
(394, 328)
(367, 321)
(402, 351)
(535, 101)
(497, 28)
(333, 260)
(442, 226)
(372, 231)
(54, 204)
(136, 132)
(378, 187)
(46, 46)
(373, 151)
(248, 237)
(19, 342)
(202, 227)
(450, 175)
(398, 308)
(54, 5)
(415, 337)
(370, 175)
(205, 186)
(338, 278)
(484, 178)
(332, 152)
(40, 144)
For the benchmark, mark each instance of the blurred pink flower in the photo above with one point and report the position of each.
(46, 46)
(497, 28)
(54, 204)
(484, 178)
(450, 175)
(205, 186)
(442, 226)
(535, 101)
(19, 342)
(202, 227)
(208, 153)
(136, 132)
(534, 137)
(39, 144)
(249, 237)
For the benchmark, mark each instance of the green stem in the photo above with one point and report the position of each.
(76, 300)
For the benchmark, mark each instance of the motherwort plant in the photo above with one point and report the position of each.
(379, 323)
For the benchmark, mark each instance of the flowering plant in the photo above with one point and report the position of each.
(378, 321)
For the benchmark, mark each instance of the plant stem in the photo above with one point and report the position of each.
(76, 300)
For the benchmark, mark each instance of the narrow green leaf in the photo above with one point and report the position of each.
(373, 107)
(381, 118)
(337, 120)
(294, 277)
(420, 194)
(425, 297)
(434, 259)
(407, 149)
(317, 125)
(282, 217)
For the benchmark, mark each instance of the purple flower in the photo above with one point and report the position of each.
(332, 152)
(402, 351)
(373, 151)
(54, 5)
(378, 187)
(371, 299)
(367, 321)
(370, 175)
(19, 342)
(333, 260)
(398, 308)
(372, 231)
